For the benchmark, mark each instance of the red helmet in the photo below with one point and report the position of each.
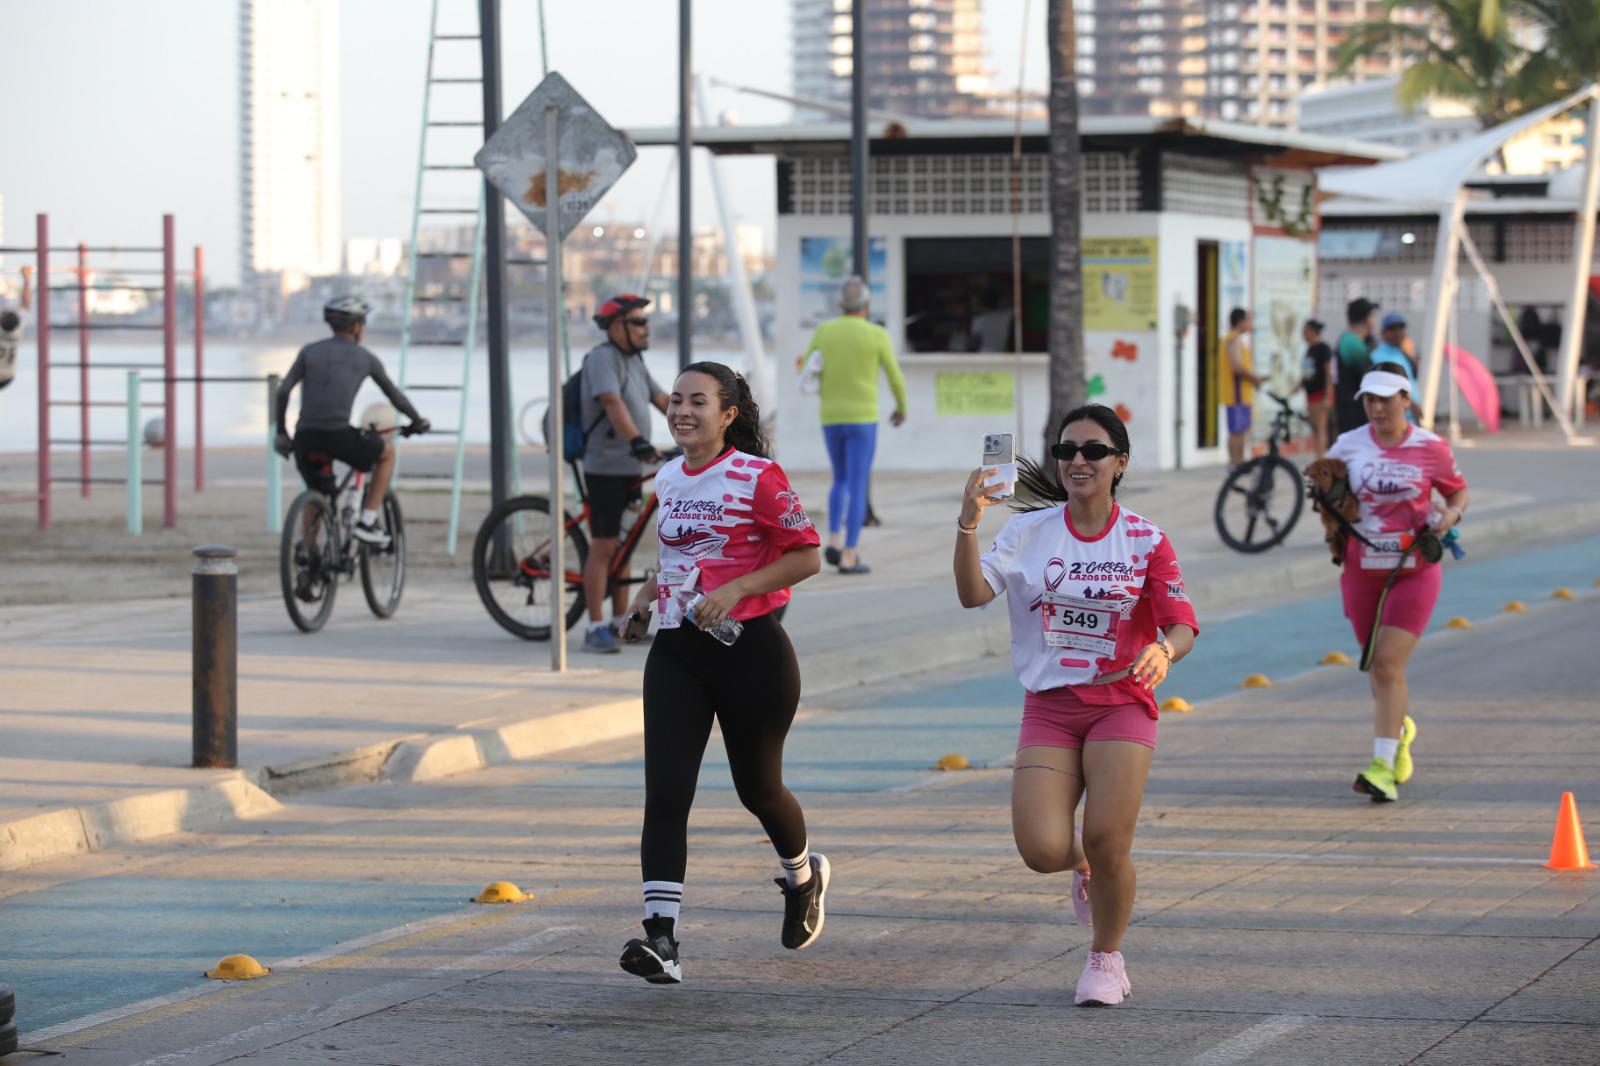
(618, 305)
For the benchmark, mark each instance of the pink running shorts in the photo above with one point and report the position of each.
(1059, 719)
(1410, 602)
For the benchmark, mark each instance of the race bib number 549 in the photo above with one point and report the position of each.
(1086, 625)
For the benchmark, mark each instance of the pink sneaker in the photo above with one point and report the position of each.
(1104, 982)
(1080, 899)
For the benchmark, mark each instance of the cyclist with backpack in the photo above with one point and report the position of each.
(616, 393)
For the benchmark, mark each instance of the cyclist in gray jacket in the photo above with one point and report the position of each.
(330, 372)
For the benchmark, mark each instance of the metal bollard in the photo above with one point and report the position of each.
(216, 658)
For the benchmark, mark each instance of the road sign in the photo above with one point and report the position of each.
(592, 155)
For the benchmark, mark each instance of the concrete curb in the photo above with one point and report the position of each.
(431, 757)
(142, 816)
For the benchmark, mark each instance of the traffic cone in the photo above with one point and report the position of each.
(1567, 850)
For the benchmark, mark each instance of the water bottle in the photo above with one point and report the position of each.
(727, 631)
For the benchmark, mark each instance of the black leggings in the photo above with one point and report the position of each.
(751, 689)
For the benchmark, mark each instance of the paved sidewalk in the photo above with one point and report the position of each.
(1279, 919)
(96, 706)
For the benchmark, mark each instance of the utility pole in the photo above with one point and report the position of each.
(500, 442)
(858, 141)
(685, 189)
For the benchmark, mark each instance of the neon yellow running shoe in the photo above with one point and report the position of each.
(1377, 781)
(1403, 766)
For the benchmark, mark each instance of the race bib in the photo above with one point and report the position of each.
(1085, 625)
(672, 592)
(1388, 554)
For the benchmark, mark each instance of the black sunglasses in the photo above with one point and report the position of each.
(637, 321)
(1093, 451)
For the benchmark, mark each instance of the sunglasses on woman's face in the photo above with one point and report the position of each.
(1093, 451)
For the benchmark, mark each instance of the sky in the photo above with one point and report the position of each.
(118, 112)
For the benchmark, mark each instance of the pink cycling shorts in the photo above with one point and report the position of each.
(1059, 719)
(1409, 605)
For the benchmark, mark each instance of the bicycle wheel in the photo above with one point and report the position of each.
(308, 567)
(514, 582)
(383, 570)
(1259, 504)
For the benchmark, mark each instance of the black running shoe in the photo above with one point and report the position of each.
(655, 958)
(803, 910)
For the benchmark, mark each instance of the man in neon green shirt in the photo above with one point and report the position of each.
(852, 351)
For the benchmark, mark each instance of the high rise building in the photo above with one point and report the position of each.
(924, 57)
(289, 212)
(1238, 60)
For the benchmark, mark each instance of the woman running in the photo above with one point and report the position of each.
(1394, 468)
(1098, 617)
(731, 531)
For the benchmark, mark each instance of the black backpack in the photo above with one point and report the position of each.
(574, 437)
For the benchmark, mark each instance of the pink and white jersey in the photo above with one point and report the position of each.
(723, 521)
(1395, 487)
(1085, 606)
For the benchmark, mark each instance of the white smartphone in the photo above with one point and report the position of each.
(1000, 450)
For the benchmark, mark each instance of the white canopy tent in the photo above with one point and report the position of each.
(1436, 182)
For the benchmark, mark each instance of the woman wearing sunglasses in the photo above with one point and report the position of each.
(1098, 617)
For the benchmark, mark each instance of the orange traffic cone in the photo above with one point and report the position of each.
(1567, 850)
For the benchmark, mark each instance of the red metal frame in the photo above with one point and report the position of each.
(169, 336)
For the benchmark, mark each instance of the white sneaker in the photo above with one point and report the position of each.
(1104, 982)
(370, 534)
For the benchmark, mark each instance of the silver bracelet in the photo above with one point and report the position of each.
(973, 532)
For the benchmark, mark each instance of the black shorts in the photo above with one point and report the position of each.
(316, 449)
(609, 496)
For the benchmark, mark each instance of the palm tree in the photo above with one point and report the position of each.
(1465, 50)
(1570, 35)
(1067, 385)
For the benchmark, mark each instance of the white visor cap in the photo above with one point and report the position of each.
(1382, 383)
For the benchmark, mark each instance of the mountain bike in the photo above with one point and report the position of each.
(1262, 498)
(317, 550)
(511, 559)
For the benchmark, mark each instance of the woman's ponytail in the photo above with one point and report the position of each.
(744, 433)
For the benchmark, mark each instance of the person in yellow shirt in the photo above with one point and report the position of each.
(853, 351)
(1238, 381)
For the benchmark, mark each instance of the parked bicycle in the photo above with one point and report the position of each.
(317, 550)
(1262, 498)
(511, 559)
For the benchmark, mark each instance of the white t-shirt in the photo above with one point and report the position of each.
(1082, 607)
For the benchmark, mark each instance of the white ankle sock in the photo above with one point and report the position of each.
(1385, 747)
(369, 517)
(662, 899)
(797, 871)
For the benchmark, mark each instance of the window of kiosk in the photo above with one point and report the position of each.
(958, 295)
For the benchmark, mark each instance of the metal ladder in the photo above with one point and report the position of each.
(419, 305)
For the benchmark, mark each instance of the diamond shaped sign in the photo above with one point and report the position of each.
(592, 155)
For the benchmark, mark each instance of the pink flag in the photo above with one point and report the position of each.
(1477, 386)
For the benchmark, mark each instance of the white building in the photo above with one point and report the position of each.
(1181, 223)
(380, 256)
(1370, 111)
(289, 182)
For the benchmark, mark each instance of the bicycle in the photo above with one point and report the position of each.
(511, 558)
(316, 549)
(1265, 489)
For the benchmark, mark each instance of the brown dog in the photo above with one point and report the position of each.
(1329, 485)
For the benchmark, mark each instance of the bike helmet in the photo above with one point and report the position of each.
(342, 312)
(607, 312)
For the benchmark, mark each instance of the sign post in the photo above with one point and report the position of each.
(556, 150)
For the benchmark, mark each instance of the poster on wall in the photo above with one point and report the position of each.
(824, 266)
(991, 393)
(1119, 283)
(1233, 284)
(1285, 296)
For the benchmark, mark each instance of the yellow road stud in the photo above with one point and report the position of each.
(238, 968)
(1563, 594)
(1256, 681)
(1514, 607)
(1458, 623)
(953, 762)
(501, 892)
(1176, 703)
(1336, 658)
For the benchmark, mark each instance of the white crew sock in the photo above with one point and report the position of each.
(595, 627)
(369, 517)
(662, 899)
(797, 871)
(1385, 747)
